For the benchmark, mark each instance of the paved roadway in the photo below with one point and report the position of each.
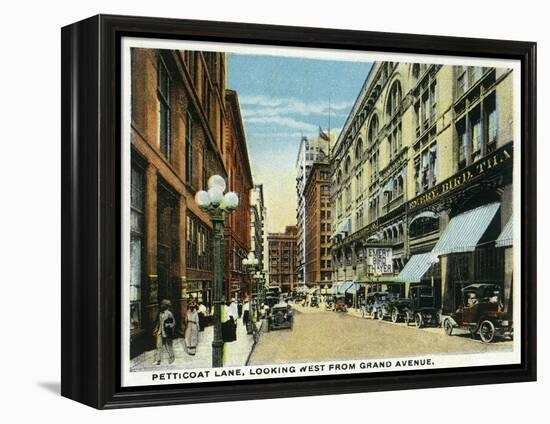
(320, 335)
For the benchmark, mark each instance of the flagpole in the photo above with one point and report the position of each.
(329, 128)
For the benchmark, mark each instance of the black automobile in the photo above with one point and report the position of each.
(280, 316)
(421, 308)
(314, 302)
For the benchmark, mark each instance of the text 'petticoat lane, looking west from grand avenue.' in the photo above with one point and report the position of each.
(403, 213)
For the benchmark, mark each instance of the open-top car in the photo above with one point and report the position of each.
(314, 302)
(373, 303)
(393, 307)
(481, 312)
(339, 304)
(421, 307)
(280, 316)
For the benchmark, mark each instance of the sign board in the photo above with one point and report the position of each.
(379, 260)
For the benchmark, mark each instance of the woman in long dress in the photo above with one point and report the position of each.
(192, 330)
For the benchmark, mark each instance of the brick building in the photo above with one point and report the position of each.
(318, 218)
(237, 231)
(282, 250)
(178, 120)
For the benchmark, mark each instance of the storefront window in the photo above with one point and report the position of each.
(136, 243)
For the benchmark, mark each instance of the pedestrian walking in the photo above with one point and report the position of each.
(240, 307)
(229, 325)
(192, 329)
(247, 316)
(164, 332)
(202, 315)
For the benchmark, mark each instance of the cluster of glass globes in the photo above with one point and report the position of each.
(251, 260)
(215, 198)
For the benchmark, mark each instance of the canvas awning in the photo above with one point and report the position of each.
(345, 286)
(353, 288)
(506, 237)
(416, 267)
(335, 286)
(465, 230)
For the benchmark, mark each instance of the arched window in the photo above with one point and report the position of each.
(373, 129)
(394, 98)
(358, 149)
(347, 165)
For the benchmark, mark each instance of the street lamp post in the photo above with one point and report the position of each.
(251, 264)
(217, 204)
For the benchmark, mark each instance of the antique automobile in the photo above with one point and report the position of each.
(280, 316)
(373, 303)
(393, 307)
(314, 302)
(421, 307)
(481, 312)
(339, 304)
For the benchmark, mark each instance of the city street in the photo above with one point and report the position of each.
(320, 335)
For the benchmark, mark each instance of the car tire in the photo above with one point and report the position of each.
(448, 326)
(407, 318)
(418, 320)
(373, 314)
(487, 331)
(394, 315)
(380, 315)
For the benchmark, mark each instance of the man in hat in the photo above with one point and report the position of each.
(164, 332)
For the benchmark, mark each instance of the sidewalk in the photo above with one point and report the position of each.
(235, 353)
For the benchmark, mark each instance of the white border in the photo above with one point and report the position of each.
(441, 361)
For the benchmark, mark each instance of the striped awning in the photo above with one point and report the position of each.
(353, 288)
(465, 230)
(345, 286)
(506, 238)
(416, 267)
(335, 287)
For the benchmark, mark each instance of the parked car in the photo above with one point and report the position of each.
(314, 302)
(280, 316)
(393, 307)
(481, 312)
(421, 308)
(373, 303)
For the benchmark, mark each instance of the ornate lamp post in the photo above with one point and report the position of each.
(251, 264)
(217, 204)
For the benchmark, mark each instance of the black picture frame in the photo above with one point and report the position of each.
(91, 84)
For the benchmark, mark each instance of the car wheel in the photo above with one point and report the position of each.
(487, 331)
(418, 321)
(394, 315)
(407, 318)
(448, 327)
(380, 315)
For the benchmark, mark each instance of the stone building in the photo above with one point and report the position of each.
(178, 120)
(308, 152)
(318, 218)
(422, 174)
(237, 231)
(282, 248)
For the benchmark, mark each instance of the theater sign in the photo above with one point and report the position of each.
(379, 260)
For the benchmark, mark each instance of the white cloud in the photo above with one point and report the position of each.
(282, 121)
(268, 106)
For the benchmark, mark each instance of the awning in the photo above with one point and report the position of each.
(416, 267)
(345, 286)
(506, 238)
(353, 288)
(465, 230)
(335, 286)
(425, 214)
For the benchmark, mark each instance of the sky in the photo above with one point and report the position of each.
(283, 99)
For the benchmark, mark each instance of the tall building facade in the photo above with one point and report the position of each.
(309, 152)
(318, 219)
(282, 249)
(422, 175)
(239, 176)
(258, 213)
(178, 121)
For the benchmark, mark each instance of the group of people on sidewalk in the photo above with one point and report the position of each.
(165, 329)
